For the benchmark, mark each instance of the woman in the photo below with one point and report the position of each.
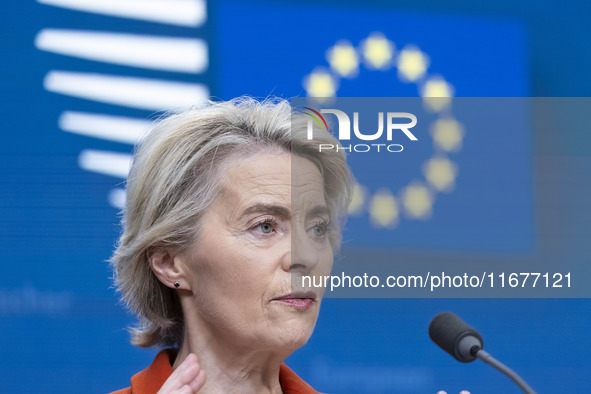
(227, 208)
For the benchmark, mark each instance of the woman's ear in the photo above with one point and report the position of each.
(168, 268)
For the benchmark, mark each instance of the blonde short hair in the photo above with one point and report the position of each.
(175, 177)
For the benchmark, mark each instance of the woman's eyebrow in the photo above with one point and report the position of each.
(318, 210)
(275, 210)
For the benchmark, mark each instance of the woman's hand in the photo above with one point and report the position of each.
(188, 378)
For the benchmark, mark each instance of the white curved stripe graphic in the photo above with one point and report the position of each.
(142, 93)
(152, 52)
(174, 12)
(104, 162)
(106, 127)
(117, 198)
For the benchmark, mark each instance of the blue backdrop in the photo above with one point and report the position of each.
(61, 179)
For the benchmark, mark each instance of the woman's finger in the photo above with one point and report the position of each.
(198, 382)
(187, 378)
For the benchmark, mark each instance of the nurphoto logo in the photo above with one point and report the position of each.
(392, 125)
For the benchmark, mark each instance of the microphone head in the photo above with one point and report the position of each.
(454, 336)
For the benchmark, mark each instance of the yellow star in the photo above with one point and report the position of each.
(320, 83)
(383, 209)
(357, 199)
(412, 63)
(378, 51)
(447, 134)
(441, 173)
(417, 202)
(437, 93)
(342, 58)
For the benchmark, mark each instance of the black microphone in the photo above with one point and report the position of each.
(465, 344)
(454, 336)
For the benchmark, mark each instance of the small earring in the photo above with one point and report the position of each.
(177, 284)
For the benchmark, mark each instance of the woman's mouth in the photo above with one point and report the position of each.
(298, 300)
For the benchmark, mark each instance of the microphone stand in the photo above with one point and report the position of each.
(493, 362)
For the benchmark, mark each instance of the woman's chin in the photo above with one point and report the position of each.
(292, 340)
(297, 335)
(291, 334)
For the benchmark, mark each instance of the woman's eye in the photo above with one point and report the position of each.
(266, 228)
(319, 231)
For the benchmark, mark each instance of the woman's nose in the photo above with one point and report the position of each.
(302, 256)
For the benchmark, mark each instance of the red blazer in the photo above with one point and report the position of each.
(152, 378)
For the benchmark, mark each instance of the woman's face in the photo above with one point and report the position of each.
(267, 228)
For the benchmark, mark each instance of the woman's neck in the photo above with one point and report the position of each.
(230, 368)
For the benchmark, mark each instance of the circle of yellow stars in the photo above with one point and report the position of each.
(376, 52)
